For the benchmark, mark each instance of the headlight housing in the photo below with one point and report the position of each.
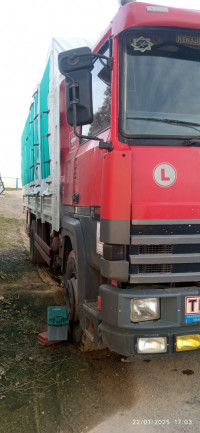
(144, 309)
(152, 345)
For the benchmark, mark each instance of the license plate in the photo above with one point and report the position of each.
(192, 309)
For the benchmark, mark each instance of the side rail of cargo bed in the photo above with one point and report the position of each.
(39, 206)
(45, 244)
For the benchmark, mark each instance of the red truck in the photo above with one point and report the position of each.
(120, 215)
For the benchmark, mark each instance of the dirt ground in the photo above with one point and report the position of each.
(57, 389)
(50, 389)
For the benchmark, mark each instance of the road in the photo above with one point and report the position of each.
(60, 390)
(164, 397)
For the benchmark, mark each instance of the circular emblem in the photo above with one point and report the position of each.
(164, 174)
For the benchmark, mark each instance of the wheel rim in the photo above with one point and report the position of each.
(71, 299)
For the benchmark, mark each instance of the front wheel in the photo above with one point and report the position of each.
(76, 333)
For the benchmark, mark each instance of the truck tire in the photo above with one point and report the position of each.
(35, 256)
(71, 299)
(76, 334)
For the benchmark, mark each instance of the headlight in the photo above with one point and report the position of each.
(152, 345)
(143, 309)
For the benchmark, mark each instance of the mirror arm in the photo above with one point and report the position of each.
(105, 145)
(108, 59)
(74, 102)
(96, 56)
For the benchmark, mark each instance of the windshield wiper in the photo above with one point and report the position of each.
(170, 121)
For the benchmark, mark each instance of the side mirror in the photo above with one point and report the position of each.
(72, 60)
(105, 75)
(76, 66)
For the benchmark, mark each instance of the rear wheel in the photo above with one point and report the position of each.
(34, 253)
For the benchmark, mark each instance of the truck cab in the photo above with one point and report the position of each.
(138, 202)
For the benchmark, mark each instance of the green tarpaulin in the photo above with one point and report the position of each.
(35, 135)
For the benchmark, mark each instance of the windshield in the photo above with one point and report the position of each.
(160, 83)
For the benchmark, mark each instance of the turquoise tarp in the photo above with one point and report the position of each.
(44, 91)
(31, 138)
(27, 150)
(35, 136)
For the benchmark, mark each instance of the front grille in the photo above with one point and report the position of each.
(155, 249)
(150, 269)
(166, 257)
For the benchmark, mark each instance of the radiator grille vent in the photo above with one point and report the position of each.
(155, 249)
(158, 268)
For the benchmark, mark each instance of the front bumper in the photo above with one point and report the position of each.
(121, 335)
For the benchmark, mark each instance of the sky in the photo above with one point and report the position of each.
(26, 29)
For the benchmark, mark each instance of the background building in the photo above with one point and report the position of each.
(12, 182)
